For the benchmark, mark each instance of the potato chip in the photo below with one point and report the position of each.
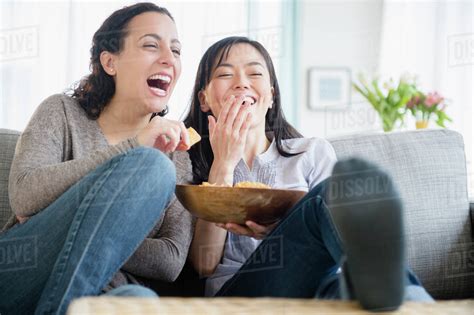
(239, 185)
(194, 137)
(207, 184)
(251, 185)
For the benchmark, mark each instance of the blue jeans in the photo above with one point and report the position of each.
(73, 247)
(300, 258)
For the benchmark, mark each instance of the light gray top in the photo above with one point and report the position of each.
(59, 146)
(300, 172)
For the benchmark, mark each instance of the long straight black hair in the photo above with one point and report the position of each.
(275, 123)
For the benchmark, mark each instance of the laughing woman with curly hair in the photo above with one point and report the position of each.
(91, 185)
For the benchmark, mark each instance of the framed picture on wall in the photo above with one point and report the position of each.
(329, 88)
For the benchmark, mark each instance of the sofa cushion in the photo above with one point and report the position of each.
(8, 139)
(429, 168)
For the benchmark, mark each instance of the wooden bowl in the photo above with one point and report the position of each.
(237, 204)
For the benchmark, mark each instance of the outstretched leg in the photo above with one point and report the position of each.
(367, 212)
(301, 256)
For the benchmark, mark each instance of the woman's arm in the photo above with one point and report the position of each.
(39, 173)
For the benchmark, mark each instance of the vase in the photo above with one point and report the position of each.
(421, 124)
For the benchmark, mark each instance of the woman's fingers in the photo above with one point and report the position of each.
(174, 135)
(161, 142)
(261, 230)
(245, 126)
(226, 142)
(184, 135)
(246, 123)
(235, 228)
(185, 141)
(238, 229)
(225, 109)
(257, 228)
(251, 229)
(212, 124)
(169, 137)
(234, 109)
(240, 118)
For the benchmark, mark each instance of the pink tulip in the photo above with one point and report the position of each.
(415, 100)
(433, 99)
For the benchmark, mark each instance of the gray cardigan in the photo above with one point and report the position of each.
(59, 146)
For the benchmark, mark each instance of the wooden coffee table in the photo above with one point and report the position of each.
(230, 306)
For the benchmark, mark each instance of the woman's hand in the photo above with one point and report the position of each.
(22, 219)
(250, 229)
(165, 135)
(228, 136)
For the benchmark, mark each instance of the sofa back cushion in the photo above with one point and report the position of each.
(8, 139)
(429, 169)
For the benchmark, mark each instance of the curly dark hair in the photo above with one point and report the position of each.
(95, 90)
(275, 123)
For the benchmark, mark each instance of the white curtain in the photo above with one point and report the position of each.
(435, 41)
(44, 46)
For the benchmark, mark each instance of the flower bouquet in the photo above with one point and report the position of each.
(388, 101)
(424, 107)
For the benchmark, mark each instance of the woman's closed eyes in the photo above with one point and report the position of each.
(151, 45)
(176, 51)
(228, 75)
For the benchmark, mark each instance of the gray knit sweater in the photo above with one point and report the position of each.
(61, 145)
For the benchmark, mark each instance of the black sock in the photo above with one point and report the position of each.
(368, 214)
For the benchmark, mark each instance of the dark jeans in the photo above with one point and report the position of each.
(300, 258)
(73, 247)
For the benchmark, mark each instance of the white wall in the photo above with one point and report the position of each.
(435, 39)
(432, 39)
(338, 34)
(44, 47)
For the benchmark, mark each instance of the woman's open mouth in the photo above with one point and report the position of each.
(250, 99)
(159, 84)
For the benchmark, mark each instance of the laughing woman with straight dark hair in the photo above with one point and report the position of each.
(236, 107)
